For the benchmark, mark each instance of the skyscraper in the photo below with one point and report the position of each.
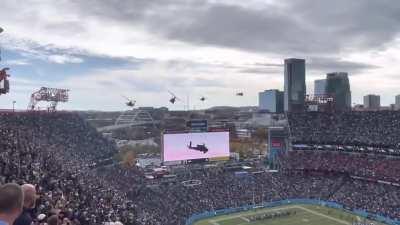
(319, 87)
(295, 85)
(338, 87)
(372, 102)
(397, 103)
(271, 101)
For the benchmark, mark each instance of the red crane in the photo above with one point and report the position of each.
(4, 82)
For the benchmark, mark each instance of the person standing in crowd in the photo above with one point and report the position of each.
(53, 220)
(11, 201)
(30, 198)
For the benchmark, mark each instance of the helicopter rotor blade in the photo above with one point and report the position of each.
(171, 93)
(126, 98)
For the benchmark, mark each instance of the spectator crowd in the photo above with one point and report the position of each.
(375, 129)
(58, 154)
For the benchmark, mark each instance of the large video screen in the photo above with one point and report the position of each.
(186, 146)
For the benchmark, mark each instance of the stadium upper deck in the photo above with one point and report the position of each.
(374, 129)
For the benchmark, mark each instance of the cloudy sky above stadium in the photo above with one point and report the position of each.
(102, 49)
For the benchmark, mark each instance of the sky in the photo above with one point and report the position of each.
(103, 49)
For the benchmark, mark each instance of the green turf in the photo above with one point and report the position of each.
(305, 215)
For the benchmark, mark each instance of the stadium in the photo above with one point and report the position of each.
(331, 176)
(137, 112)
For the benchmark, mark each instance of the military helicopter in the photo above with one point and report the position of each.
(200, 148)
(173, 98)
(239, 94)
(130, 102)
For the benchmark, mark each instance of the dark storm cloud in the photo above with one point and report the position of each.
(356, 23)
(315, 64)
(327, 65)
(294, 27)
(235, 27)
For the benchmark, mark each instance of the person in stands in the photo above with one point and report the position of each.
(53, 220)
(30, 198)
(11, 201)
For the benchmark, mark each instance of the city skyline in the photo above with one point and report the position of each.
(141, 49)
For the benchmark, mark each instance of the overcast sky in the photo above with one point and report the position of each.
(102, 49)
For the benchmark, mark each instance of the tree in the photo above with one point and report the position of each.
(261, 135)
(129, 159)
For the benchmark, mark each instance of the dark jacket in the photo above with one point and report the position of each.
(25, 218)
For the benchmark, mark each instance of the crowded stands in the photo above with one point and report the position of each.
(55, 152)
(373, 129)
(59, 153)
(376, 167)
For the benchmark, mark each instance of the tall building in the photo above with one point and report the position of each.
(271, 100)
(319, 87)
(397, 103)
(295, 85)
(372, 102)
(338, 87)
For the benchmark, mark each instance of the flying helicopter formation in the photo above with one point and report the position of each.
(173, 99)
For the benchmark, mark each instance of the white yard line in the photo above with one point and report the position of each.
(243, 216)
(323, 215)
(249, 213)
(245, 219)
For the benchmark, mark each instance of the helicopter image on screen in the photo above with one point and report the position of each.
(200, 148)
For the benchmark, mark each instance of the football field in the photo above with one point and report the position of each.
(288, 215)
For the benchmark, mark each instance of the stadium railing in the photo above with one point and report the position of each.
(204, 215)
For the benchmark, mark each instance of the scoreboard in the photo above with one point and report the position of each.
(277, 143)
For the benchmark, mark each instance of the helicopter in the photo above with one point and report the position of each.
(173, 99)
(130, 102)
(200, 148)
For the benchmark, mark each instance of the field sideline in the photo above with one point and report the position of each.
(305, 215)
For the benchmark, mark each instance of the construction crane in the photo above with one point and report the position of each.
(4, 82)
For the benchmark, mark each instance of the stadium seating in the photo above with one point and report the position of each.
(346, 128)
(58, 151)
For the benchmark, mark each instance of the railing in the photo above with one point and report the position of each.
(204, 215)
